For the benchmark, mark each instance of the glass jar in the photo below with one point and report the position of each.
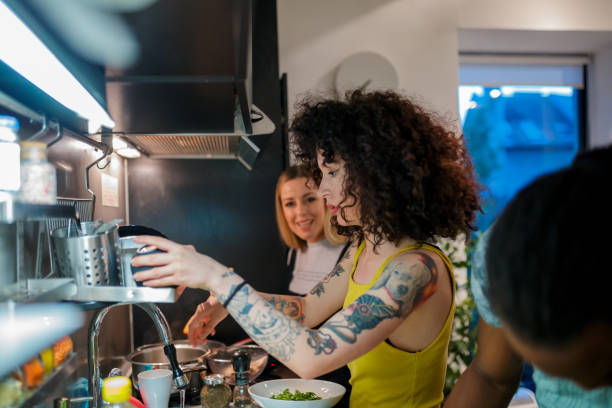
(9, 158)
(215, 393)
(38, 180)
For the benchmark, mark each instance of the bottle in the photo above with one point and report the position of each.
(116, 392)
(10, 178)
(38, 180)
(215, 393)
(241, 361)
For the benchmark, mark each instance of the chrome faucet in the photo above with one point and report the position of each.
(163, 329)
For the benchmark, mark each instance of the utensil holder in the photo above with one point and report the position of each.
(90, 259)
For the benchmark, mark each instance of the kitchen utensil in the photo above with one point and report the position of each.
(91, 259)
(329, 392)
(221, 362)
(107, 226)
(155, 387)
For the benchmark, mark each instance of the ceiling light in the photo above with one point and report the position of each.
(28, 56)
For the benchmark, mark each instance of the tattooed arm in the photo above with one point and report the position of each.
(325, 299)
(404, 283)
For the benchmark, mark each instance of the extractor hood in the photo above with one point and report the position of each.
(189, 94)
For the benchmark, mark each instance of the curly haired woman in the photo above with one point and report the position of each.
(395, 179)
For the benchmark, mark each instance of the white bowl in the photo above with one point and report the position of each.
(329, 392)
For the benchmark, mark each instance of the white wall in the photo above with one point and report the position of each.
(419, 37)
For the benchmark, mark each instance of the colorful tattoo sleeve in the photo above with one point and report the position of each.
(290, 305)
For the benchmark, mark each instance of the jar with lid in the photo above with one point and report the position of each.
(215, 393)
(9, 158)
(38, 180)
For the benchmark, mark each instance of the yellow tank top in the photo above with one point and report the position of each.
(389, 377)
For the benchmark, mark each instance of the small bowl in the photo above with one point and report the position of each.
(329, 392)
(221, 362)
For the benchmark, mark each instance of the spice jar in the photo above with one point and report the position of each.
(38, 180)
(215, 393)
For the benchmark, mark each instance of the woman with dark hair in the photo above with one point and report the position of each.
(395, 179)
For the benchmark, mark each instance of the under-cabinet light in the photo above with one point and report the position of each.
(123, 149)
(21, 50)
(128, 153)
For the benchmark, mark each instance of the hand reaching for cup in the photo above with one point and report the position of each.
(176, 265)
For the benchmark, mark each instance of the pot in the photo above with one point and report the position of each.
(190, 359)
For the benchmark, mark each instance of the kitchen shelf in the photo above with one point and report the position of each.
(121, 294)
(11, 211)
(64, 289)
(38, 290)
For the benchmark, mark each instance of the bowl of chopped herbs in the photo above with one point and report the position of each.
(297, 393)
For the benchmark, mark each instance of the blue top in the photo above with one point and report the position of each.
(551, 392)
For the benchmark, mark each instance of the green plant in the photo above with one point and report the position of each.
(462, 346)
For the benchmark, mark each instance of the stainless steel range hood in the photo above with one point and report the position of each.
(189, 95)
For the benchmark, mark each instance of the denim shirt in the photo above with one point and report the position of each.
(551, 392)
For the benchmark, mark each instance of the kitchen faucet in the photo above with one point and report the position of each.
(163, 329)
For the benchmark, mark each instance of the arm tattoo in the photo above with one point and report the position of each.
(407, 287)
(319, 287)
(321, 342)
(289, 305)
(365, 313)
(260, 319)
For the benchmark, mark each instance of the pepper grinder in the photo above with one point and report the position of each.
(241, 361)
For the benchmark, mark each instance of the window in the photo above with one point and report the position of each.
(520, 121)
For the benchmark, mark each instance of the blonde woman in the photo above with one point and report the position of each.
(304, 226)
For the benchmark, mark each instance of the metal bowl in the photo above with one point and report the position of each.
(152, 357)
(221, 362)
(211, 345)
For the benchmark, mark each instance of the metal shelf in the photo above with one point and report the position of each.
(121, 294)
(11, 211)
(38, 290)
(64, 289)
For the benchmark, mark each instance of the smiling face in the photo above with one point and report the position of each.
(332, 188)
(303, 208)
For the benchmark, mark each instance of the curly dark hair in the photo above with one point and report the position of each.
(409, 173)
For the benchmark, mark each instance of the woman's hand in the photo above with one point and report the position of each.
(177, 265)
(203, 322)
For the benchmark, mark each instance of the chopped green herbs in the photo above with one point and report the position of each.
(297, 396)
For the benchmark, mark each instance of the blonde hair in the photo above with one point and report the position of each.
(288, 236)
